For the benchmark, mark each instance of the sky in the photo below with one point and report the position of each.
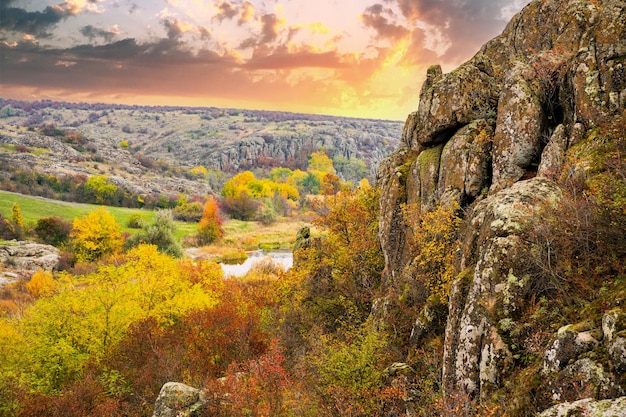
(358, 58)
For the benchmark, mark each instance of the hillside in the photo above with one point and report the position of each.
(152, 150)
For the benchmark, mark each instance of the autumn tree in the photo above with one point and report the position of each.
(95, 235)
(80, 320)
(244, 194)
(320, 162)
(210, 228)
(237, 184)
(16, 215)
(351, 220)
(338, 277)
(433, 242)
(347, 371)
(41, 283)
(100, 189)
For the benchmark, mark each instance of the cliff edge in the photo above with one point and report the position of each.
(516, 141)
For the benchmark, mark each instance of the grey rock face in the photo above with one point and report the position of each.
(588, 407)
(178, 400)
(568, 345)
(474, 353)
(491, 136)
(520, 123)
(582, 379)
(29, 256)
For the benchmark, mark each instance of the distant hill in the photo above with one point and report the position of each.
(151, 150)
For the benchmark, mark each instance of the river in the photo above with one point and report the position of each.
(284, 258)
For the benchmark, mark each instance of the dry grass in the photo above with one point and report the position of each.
(255, 235)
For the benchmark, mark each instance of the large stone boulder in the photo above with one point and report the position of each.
(179, 400)
(571, 341)
(28, 257)
(474, 353)
(588, 407)
(519, 127)
(581, 379)
(450, 101)
(614, 329)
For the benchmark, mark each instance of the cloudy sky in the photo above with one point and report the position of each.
(363, 58)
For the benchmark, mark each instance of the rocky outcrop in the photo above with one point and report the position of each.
(588, 407)
(29, 255)
(492, 137)
(22, 259)
(475, 355)
(179, 400)
(287, 149)
(571, 341)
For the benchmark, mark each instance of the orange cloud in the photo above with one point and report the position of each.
(368, 61)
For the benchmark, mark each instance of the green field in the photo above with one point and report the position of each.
(34, 208)
(239, 234)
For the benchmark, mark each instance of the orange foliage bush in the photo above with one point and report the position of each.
(210, 227)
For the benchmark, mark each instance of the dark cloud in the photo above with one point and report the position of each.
(35, 23)
(270, 29)
(161, 68)
(375, 18)
(282, 59)
(205, 34)
(93, 33)
(465, 24)
(270, 26)
(245, 13)
(173, 27)
(227, 10)
(93, 67)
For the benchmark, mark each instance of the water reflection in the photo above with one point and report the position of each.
(285, 259)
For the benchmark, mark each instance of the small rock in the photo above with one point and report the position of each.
(584, 378)
(617, 354)
(568, 345)
(178, 400)
(29, 256)
(613, 322)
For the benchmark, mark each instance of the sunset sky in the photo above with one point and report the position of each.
(362, 58)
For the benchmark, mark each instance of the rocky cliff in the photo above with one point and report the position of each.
(499, 138)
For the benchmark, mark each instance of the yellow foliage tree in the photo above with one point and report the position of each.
(95, 235)
(237, 184)
(87, 316)
(16, 215)
(320, 162)
(433, 242)
(41, 283)
(199, 171)
(101, 189)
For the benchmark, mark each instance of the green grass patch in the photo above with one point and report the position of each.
(239, 234)
(35, 208)
(233, 256)
(11, 148)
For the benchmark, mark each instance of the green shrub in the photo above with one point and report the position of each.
(53, 230)
(135, 221)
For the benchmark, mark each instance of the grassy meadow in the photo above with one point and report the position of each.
(244, 235)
